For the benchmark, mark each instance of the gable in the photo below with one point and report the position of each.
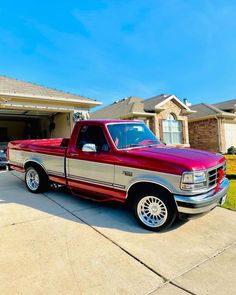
(160, 103)
(171, 107)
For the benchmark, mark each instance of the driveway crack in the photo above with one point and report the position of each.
(173, 284)
(205, 260)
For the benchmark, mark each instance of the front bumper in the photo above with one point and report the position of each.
(204, 202)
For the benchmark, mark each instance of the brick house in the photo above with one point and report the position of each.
(213, 127)
(166, 116)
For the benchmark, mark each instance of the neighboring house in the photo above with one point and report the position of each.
(165, 114)
(31, 111)
(213, 127)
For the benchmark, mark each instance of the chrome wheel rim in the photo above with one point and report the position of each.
(152, 211)
(32, 179)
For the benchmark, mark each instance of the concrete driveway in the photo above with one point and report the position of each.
(55, 243)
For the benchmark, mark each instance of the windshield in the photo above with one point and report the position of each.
(127, 135)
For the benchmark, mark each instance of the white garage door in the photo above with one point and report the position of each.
(230, 135)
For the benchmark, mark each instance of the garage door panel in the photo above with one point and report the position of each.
(230, 135)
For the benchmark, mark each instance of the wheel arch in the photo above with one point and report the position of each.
(35, 164)
(139, 185)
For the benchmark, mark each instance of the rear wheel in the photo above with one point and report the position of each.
(154, 210)
(36, 180)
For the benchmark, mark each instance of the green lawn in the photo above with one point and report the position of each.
(231, 165)
(231, 196)
(231, 173)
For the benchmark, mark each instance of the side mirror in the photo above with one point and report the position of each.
(89, 147)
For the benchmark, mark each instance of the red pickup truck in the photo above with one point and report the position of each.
(123, 161)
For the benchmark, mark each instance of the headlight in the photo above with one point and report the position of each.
(193, 180)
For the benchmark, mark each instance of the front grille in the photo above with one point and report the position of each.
(213, 175)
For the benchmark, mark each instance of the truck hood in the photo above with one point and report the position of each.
(183, 159)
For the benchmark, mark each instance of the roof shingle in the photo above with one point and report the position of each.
(226, 105)
(204, 110)
(149, 104)
(119, 109)
(18, 87)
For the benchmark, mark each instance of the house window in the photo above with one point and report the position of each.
(172, 130)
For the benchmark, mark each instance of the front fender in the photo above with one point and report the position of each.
(161, 181)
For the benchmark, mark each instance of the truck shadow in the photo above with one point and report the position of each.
(108, 214)
(60, 202)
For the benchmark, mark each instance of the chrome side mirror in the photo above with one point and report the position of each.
(89, 148)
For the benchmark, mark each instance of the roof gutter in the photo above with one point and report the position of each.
(212, 117)
(6, 95)
(137, 114)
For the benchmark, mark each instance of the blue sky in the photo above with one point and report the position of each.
(108, 50)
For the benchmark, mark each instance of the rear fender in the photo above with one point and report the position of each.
(34, 160)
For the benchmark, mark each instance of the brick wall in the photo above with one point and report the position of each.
(170, 107)
(204, 135)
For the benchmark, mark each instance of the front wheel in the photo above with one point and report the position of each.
(155, 211)
(35, 180)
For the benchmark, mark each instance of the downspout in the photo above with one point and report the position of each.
(219, 133)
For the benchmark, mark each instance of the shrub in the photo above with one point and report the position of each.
(231, 150)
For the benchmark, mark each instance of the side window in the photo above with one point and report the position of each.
(95, 135)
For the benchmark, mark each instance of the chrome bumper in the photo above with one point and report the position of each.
(204, 202)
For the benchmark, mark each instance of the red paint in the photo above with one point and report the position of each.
(57, 179)
(221, 175)
(17, 168)
(96, 192)
(54, 146)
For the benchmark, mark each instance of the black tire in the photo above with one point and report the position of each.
(36, 180)
(154, 209)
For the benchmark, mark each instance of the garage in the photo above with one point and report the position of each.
(21, 124)
(230, 134)
(31, 111)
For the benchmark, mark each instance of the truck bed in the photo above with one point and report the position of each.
(53, 146)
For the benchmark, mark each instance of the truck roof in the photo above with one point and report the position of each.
(110, 121)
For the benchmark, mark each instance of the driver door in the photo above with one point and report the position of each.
(91, 173)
